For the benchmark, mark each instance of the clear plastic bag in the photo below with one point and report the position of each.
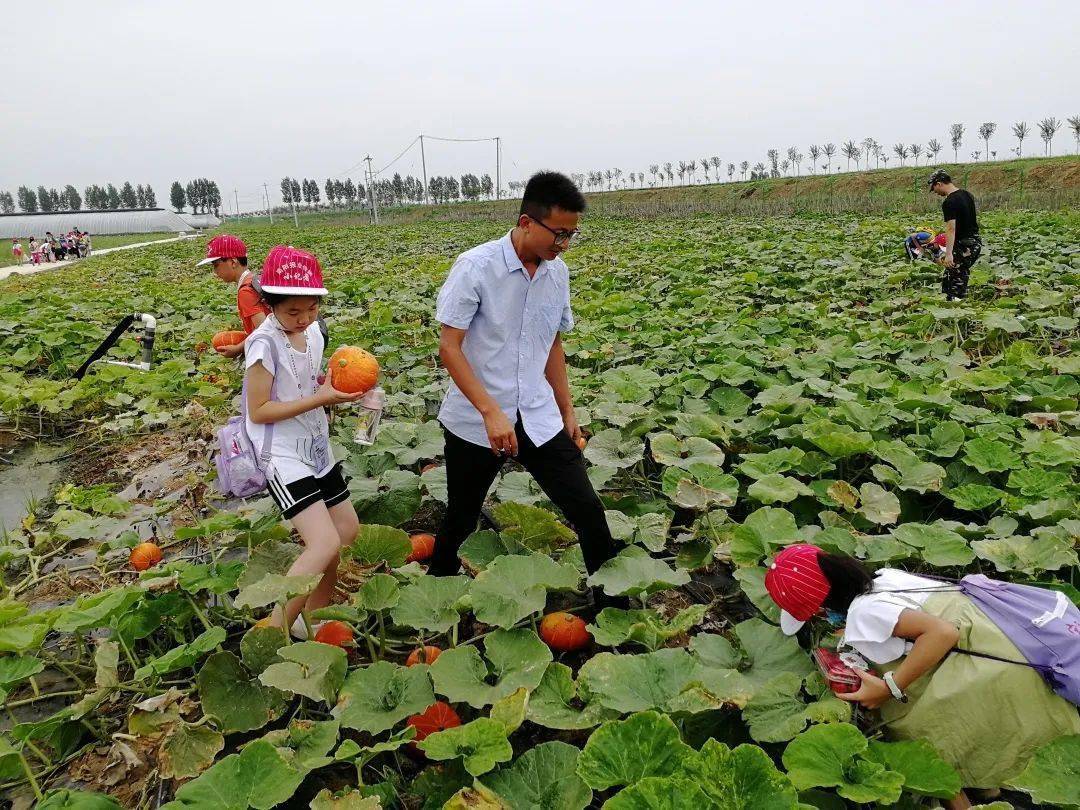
(369, 415)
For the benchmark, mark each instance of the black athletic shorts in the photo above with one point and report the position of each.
(294, 498)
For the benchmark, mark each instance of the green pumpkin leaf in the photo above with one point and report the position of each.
(990, 455)
(275, 588)
(308, 668)
(674, 452)
(1053, 774)
(259, 647)
(543, 778)
(234, 696)
(743, 778)
(480, 744)
(1029, 555)
(517, 659)
(659, 793)
(644, 627)
(183, 656)
(623, 752)
(514, 587)
(380, 592)
(830, 756)
(775, 488)
(878, 505)
(258, 777)
(633, 572)
(431, 603)
(375, 544)
(923, 769)
(532, 527)
(379, 696)
(66, 799)
(555, 702)
(610, 449)
(189, 750)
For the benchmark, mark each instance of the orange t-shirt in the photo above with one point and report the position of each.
(248, 303)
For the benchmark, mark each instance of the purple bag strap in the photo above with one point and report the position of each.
(268, 428)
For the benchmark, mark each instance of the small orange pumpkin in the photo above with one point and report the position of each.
(423, 655)
(334, 632)
(439, 716)
(223, 339)
(581, 443)
(428, 468)
(564, 632)
(353, 370)
(423, 546)
(145, 555)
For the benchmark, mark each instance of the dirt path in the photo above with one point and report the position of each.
(28, 268)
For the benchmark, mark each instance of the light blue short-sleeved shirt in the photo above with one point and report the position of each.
(512, 321)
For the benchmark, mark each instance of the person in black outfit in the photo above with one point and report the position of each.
(963, 245)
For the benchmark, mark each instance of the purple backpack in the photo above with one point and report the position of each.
(1042, 623)
(242, 472)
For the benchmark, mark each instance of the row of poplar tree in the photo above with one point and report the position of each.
(94, 197)
(201, 194)
(397, 191)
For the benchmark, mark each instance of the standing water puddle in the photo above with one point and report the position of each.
(27, 476)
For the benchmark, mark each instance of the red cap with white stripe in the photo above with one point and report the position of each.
(224, 246)
(795, 582)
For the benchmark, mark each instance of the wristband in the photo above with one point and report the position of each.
(896, 691)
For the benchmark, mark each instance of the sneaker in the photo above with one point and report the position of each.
(299, 629)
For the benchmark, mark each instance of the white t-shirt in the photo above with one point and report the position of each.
(872, 617)
(292, 455)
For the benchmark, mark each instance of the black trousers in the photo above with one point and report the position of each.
(954, 281)
(557, 466)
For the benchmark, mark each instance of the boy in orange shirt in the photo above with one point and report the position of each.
(228, 255)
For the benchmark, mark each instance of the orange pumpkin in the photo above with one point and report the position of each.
(145, 555)
(564, 632)
(439, 716)
(581, 443)
(423, 655)
(334, 632)
(223, 339)
(353, 370)
(428, 468)
(423, 546)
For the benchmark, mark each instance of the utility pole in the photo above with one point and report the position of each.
(371, 190)
(292, 202)
(270, 210)
(498, 175)
(423, 165)
(236, 203)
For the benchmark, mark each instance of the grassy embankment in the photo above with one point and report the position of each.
(1035, 183)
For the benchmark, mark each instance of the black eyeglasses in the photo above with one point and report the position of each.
(561, 237)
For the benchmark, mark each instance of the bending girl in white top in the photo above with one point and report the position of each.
(302, 476)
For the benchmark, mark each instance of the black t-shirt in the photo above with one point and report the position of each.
(960, 205)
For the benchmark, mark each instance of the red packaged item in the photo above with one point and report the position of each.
(841, 678)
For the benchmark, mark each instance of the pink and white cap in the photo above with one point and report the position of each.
(224, 246)
(796, 583)
(291, 271)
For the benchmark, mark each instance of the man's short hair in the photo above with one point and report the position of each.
(940, 176)
(547, 190)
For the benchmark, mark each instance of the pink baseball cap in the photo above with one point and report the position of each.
(795, 582)
(224, 246)
(291, 271)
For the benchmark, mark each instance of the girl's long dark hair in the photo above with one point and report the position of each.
(847, 577)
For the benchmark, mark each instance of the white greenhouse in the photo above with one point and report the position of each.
(96, 223)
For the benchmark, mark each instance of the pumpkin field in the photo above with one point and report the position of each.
(743, 383)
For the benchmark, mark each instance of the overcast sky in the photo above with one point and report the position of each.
(247, 92)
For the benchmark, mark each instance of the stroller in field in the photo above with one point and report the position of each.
(924, 243)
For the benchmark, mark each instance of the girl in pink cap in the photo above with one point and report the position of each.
(283, 357)
(985, 717)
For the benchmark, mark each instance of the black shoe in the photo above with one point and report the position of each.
(601, 600)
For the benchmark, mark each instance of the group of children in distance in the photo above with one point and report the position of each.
(74, 244)
(284, 387)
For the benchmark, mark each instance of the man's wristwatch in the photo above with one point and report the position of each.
(897, 692)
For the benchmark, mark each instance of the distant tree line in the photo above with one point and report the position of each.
(395, 191)
(863, 153)
(201, 194)
(48, 200)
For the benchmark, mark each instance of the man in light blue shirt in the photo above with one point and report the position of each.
(502, 309)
